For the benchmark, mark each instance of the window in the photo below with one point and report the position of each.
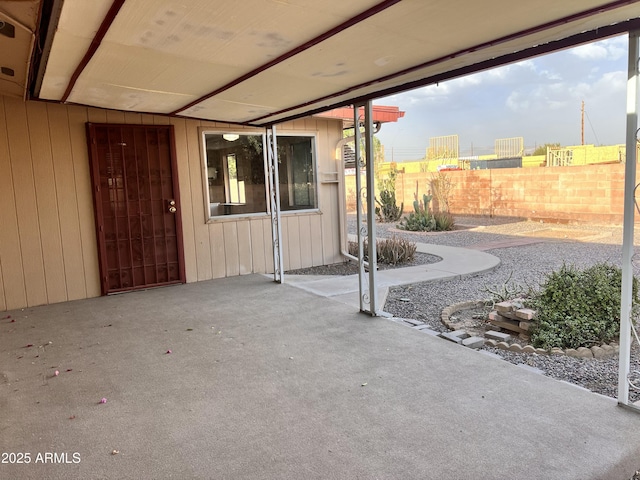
(297, 173)
(237, 173)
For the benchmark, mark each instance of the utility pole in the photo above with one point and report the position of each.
(582, 124)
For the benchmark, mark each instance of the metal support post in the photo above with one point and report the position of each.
(274, 196)
(362, 228)
(367, 289)
(371, 206)
(628, 226)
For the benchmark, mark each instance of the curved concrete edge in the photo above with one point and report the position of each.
(456, 262)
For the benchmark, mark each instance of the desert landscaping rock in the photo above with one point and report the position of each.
(473, 342)
(525, 265)
(499, 336)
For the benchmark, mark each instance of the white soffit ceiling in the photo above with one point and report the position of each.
(160, 56)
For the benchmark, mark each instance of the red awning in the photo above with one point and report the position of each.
(381, 114)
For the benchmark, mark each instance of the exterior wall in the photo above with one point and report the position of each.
(48, 249)
(591, 193)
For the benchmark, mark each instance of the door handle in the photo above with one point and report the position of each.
(172, 206)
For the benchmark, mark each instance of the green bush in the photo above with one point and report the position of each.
(579, 308)
(444, 221)
(390, 251)
(423, 220)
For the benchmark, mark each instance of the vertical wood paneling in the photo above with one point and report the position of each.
(317, 256)
(231, 248)
(184, 181)
(96, 115)
(47, 202)
(114, 116)
(306, 259)
(218, 260)
(67, 201)
(3, 301)
(26, 207)
(311, 125)
(245, 257)
(286, 258)
(257, 245)
(293, 227)
(268, 244)
(78, 138)
(48, 248)
(203, 249)
(15, 294)
(131, 117)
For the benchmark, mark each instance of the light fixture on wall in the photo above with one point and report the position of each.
(231, 137)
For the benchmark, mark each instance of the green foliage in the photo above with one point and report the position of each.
(423, 220)
(444, 221)
(579, 308)
(542, 149)
(388, 210)
(390, 251)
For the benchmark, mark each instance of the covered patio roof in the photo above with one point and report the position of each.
(261, 62)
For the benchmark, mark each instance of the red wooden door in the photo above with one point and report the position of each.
(137, 206)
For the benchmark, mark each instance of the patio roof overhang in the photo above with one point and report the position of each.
(261, 62)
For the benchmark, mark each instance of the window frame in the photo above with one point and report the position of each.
(316, 179)
(204, 131)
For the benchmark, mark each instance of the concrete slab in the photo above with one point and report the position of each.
(456, 263)
(271, 382)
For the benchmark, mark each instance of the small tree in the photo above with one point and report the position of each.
(442, 186)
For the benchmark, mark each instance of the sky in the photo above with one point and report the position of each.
(538, 99)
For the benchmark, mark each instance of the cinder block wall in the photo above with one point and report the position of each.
(591, 193)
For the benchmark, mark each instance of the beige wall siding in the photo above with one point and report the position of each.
(48, 249)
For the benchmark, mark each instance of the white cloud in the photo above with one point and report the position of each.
(590, 51)
(609, 49)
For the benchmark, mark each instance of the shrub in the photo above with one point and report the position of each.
(579, 308)
(444, 221)
(388, 211)
(423, 220)
(390, 251)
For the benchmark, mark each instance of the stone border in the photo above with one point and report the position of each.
(602, 351)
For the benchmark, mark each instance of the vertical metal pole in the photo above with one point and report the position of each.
(628, 226)
(371, 206)
(274, 195)
(362, 229)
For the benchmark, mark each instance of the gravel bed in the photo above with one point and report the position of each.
(351, 267)
(526, 265)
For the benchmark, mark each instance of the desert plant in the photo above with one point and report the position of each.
(388, 210)
(442, 186)
(579, 308)
(421, 219)
(390, 251)
(444, 221)
(506, 290)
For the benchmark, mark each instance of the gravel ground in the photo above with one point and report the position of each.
(527, 265)
(351, 268)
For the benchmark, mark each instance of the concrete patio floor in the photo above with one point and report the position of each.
(272, 382)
